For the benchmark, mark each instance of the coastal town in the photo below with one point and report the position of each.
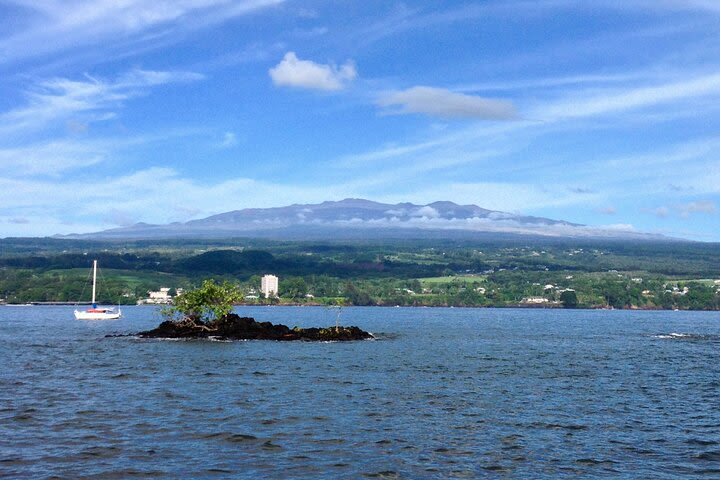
(467, 292)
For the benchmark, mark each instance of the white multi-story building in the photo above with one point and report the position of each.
(269, 286)
(161, 297)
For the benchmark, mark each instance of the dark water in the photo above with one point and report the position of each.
(443, 393)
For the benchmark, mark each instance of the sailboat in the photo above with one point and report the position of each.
(95, 313)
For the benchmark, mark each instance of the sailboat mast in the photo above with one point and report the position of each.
(94, 279)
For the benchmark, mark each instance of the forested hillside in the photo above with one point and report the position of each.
(412, 272)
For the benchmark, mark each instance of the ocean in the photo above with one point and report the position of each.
(441, 393)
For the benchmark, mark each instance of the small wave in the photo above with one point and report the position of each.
(707, 471)
(99, 451)
(384, 336)
(23, 417)
(219, 339)
(145, 339)
(711, 456)
(558, 426)
(218, 470)
(328, 441)
(383, 474)
(698, 337)
(270, 446)
(672, 335)
(593, 461)
(699, 441)
(241, 438)
(14, 461)
(496, 468)
(228, 437)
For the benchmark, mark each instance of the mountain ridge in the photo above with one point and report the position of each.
(357, 217)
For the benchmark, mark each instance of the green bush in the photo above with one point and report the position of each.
(209, 302)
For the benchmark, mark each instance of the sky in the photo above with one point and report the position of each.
(604, 113)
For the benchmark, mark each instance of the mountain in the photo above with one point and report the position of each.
(357, 218)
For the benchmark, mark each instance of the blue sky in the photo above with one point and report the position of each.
(605, 113)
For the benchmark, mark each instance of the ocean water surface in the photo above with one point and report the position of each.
(442, 393)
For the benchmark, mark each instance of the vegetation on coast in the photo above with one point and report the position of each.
(525, 272)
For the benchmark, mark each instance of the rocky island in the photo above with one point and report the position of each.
(235, 327)
(206, 312)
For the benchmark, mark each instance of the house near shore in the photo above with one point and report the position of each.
(160, 297)
(534, 300)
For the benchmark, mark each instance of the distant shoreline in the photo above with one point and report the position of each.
(479, 307)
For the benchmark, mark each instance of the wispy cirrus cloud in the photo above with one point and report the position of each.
(705, 6)
(402, 18)
(444, 103)
(545, 83)
(55, 26)
(55, 157)
(92, 99)
(294, 72)
(589, 104)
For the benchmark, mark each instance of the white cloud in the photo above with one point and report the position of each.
(444, 103)
(703, 206)
(661, 212)
(426, 212)
(499, 223)
(502, 196)
(685, 210)
(622, 227)
(229, 140)
(119, 217)
(293, 72)
(61, 99)
(50, 158)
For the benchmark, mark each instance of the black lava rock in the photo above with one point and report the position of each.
(235, 327)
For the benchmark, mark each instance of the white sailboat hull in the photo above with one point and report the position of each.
(97, 315)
